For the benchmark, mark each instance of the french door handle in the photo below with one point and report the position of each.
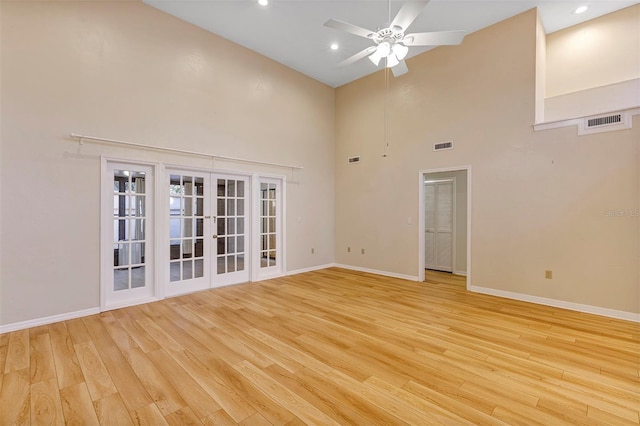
(215, 236)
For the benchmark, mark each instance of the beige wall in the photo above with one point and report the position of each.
(603, 51)
(540, 200)
(123, 70)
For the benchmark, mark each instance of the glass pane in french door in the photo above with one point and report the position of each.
(186, 227)
(129, 229)
(268, 224)
(231, 228)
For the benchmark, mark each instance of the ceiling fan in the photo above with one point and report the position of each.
(391, 42)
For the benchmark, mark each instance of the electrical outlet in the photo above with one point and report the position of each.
(362, 251)
(348, 249)
(313, 250)
(548, 274)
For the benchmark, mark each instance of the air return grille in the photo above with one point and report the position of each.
(443, 145)
(604, 123)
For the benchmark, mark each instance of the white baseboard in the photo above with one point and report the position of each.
(47, 320)
(588, 309)
(461, 273)
(378, 272)
(310, 269)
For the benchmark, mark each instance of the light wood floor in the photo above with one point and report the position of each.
(325, 347)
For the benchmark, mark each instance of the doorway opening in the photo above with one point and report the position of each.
(444, 230)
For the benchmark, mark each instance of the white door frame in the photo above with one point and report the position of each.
(421, 214)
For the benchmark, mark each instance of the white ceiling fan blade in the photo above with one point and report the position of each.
(408, 13)
(400, 69)
(437, 38)
(362, 54)
(350, 28)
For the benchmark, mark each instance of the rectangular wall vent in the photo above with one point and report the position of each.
(354, 160)
(443, 145)
(604, 123)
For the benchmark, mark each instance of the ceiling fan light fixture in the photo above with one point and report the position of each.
(375, 58)
(383, 49)
(392, 61)
(400, 51)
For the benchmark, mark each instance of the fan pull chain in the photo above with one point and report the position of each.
(386, 112)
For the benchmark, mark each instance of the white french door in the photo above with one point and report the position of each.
(208, 230)
(127, 235)
(270, 238)
(439, 224)
(231, 230)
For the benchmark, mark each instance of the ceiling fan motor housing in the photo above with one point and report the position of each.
(389, 34)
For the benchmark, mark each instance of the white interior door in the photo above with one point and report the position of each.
(127, 235)
(270, 239)
(230, 230)
(439, 224)
(189, 228)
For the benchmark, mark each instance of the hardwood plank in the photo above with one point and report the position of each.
(15, 398)
(46, 407)
(224, 395)
(255, 420)
(41, 360)
(4, 347)
(135, 331)
(183, 417)
(273, 389)
(272, 411)
(77, 331)
(165, 396)
(77, 405)
(149, 415)
(321, 394)
(68, 369)
(194, 396)
(219, 418)
(96, 375)
(110, 410)
(124, 378)
(17, 351)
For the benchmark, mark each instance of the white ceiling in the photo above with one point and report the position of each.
(292, 32)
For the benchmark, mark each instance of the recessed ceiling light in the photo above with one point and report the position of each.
(334, 46)
(581, 9)
(263, 2)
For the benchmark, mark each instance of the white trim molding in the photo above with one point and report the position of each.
(378, 272)
(579, 121)
(47, 320)
(579, 307)
(310, 269)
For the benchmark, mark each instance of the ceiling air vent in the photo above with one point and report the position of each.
(604, 123)
(354, 160)
(443, 145)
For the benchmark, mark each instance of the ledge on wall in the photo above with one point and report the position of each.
(605, 122)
